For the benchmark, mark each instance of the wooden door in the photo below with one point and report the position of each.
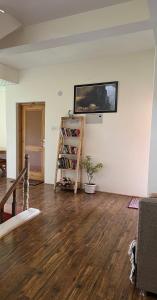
(33, 138)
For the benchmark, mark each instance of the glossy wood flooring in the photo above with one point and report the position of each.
(75, 250)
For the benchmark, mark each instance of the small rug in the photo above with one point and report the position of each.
(134, 203)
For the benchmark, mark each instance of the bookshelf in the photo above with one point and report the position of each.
(68, 174)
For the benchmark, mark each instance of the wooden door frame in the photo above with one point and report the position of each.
(19, 107)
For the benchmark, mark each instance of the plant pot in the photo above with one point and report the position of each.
(90, 188)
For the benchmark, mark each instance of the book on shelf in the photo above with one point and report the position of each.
(66, 163)
(69, 153)
(67, 149)
(67, 132)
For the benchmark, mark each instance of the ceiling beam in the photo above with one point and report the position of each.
(114, 2)
(80, 38)
(9, 74)
(153, 16)
(128, 12)
(8, 24)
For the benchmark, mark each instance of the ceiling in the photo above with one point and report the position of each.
(120, 29)
(4, 83)
(138, 41)
(35, 11)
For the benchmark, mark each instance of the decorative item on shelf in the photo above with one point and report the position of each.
(65, 183)
(90, 169)
(69, 152)
(70, 114)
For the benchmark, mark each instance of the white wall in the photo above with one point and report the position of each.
(152, 186)
(2, 118)
(121, 142)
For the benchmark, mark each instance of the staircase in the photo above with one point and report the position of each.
(24, 174)
(14, 220)
(6, 216)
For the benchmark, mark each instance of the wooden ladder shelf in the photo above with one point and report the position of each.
(68, 173)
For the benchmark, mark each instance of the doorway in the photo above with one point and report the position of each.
(32, 138)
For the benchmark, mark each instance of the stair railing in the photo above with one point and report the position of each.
(12, 191)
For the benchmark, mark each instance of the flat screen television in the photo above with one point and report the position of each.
(96, 98)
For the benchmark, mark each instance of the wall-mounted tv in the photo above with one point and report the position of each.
(96, 98)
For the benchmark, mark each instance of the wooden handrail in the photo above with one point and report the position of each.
(12, 190)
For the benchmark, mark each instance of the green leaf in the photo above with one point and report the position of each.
(90, 167)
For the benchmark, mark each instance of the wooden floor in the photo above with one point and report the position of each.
(76, 249)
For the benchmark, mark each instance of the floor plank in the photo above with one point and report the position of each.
(75, 250)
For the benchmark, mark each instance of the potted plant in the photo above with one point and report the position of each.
(90, 169)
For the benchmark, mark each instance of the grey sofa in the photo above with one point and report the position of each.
(146, 277)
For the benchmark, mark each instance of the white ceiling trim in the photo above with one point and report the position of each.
(79, 38)
(153, 11)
